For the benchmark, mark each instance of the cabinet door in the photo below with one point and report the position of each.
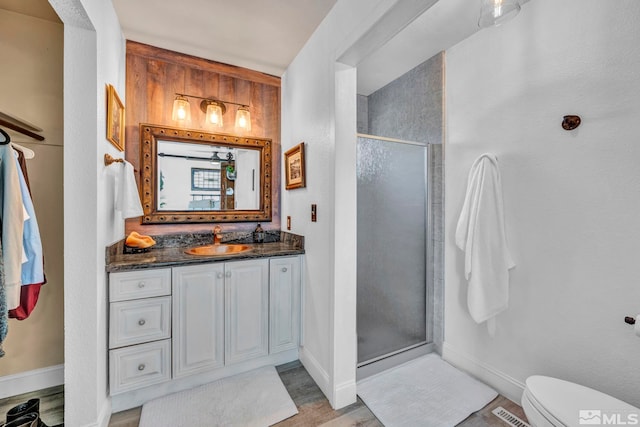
(198, 318)
(284, 301)
(246, 310)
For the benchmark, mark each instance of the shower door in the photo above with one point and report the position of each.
(392, 242)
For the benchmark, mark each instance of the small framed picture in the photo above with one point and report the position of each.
(294, 167)
(115, 118)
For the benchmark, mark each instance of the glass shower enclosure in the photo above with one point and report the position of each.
(393, 297)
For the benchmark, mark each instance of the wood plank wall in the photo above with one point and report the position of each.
(154, 75)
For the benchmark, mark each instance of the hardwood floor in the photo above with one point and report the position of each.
(484, 417)
(313, 408)
(51, 404)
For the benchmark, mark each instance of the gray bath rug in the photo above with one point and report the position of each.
(256, 398)
(426, 392)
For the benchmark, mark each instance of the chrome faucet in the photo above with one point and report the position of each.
(217, 235)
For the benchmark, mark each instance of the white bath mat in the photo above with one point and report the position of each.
(256, 398)
(426, 392)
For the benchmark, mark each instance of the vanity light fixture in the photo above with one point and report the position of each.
(495, 12)
(243, 118)
(213, 109)
(181, 109)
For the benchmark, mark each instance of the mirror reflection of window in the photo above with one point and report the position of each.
(201, 177)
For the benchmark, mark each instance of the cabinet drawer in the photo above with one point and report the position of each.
(139, 321)
(139, 284)
(139, 366)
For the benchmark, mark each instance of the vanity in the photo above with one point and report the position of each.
(189, 311)
(178, 320)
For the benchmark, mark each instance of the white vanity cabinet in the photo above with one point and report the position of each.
(198, 318)
(176, 328)
(139, 333)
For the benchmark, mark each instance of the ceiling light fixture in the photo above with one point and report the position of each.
(213, 109)
(495, 12)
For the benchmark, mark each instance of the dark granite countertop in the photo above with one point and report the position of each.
(174, 256)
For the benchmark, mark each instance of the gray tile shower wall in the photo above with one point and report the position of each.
(410, 107)
(363, 114)
(437, 241)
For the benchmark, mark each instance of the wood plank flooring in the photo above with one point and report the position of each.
(51, 404)
(313, 408)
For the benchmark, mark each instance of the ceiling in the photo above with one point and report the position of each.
(267, 35)
(443, 25)
(256, 34)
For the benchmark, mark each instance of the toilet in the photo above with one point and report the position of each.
(551, 402)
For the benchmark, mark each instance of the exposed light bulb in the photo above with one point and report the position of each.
(497, 8)
(181, 109)
(243, 119)
(214, 115)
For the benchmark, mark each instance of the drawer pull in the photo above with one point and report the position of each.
(141, 322)
(228, 274)
(141, 284)
(220, 275)
(284, 269)
(141, 367)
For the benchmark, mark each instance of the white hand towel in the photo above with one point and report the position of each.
(127, 196)
(481, 235)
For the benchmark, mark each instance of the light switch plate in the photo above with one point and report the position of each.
(314, 212)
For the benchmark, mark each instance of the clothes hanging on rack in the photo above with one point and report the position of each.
(22, 161)
(33, 269)
(21, 261)
(11, 217)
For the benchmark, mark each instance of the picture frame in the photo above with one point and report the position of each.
(115, 118)
(294, 167)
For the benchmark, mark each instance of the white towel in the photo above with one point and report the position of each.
(481, 235)
(127, 196)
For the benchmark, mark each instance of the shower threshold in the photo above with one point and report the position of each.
(382, 363)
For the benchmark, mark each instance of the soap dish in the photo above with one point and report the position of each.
(132, 250)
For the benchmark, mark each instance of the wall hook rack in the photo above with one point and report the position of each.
(571, 122)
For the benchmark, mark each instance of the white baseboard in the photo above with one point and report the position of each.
(344, 394)
(506, 385)
(26, 382)
(319, 375)
(105, 413)
(104, 417)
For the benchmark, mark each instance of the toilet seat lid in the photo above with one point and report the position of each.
(565, 400)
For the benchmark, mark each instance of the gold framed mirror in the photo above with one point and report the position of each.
(192, 176)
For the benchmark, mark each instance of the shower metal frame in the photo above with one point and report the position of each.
(397, 357)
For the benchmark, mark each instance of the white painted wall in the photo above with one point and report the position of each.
(94, 55)
(309, 101)
(571, 198)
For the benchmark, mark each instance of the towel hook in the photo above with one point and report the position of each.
(571, 122)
